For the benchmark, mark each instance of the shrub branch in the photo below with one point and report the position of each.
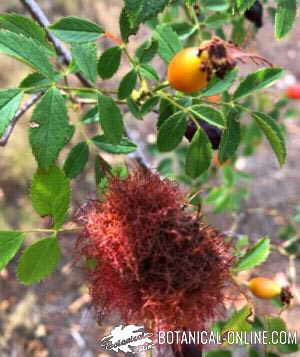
(37, 13)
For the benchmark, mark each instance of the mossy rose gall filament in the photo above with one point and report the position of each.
(157, 264)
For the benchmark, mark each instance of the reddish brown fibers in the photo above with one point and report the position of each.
(157, 264)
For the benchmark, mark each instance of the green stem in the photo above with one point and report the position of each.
(144, 83)
(188, 12)
(38, 230)
(161, 86)
(188, 111)
(82, 89)
(133, 63)
(68, 88)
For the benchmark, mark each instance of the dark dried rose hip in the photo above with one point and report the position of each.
(255, 14)
(214, 134)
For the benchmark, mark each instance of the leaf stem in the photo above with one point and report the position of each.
(188, 111)
(136, 67)
(84, 89)
(39, 230)
(161, 86)
(191, 14)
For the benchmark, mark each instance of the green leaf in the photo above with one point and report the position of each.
(199, 154)
(124, 147)
(243, 5)
(209, 114)
(110, 119)
(217, 20)
(260, 79)
(109, 62)
(149, 72)
(239, 32)
(217, 85)
(242, 242)
(120, 171)
(238, 321)
(10, 100)
(146, 52)
(168, 42)
(91, 116)
(38, 261)
(10, 243)
(127, 28)
(166, 109)
(35, 79)
(216, 5)
(274, 324)
(289, 347)
(231, 136)
(25, 26)
(184, 29)
(85, 56)
(149, 105)
(171, 132)
(76, 160)
(225, 202)
(134, 108)
(99, 173)
(273, 133)
(140, 11)
(165, 167)
(255, 256)
(74, 29)
(50, 194)
(27, 50)
(51, 130)
(215, 194)
(127, 84)
(285, 17)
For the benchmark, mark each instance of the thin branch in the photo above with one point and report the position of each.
(37, 13)
(20, 112)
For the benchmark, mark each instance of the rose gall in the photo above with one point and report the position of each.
(157, 264)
